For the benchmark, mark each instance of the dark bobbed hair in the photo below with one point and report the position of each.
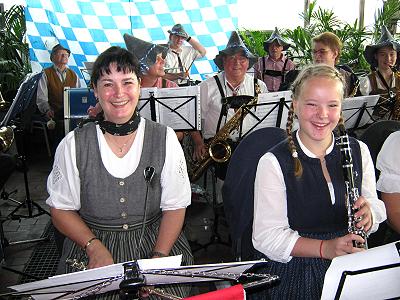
(122, 58)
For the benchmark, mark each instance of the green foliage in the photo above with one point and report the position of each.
(254, 40)
(386, 16)
(318, 20)
(14, 52)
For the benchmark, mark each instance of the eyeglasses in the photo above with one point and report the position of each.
(319, 52)
(237, 58)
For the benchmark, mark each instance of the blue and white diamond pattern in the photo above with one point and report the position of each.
(87, 27)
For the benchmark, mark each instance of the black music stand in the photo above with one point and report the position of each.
(131, 276)
(357, 111)
(178, 108)
(271, 110)
(371, 274)
(14, 116)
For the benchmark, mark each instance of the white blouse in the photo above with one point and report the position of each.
(388, 162)
(271, 232)
(63, 183)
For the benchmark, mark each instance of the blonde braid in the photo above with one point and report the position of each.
(298, 168)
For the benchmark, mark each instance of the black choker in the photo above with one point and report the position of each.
(121, 129)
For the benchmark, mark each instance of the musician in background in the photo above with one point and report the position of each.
(50, 91)
(388, 184)
(382, 57)
(233, 61)
(273, 67)
(326, 49)
(180, 57)
(106, 175)
(300, 218)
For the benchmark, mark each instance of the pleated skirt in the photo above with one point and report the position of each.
(124, 246)
(300, 278)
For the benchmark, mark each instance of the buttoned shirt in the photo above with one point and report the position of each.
(273, 82)
(389, 164)
(42, 95)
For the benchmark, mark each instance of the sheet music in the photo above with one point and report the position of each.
(178, 108)
(85, 279)
(178, 99)
(267, 109)
(374, 257)
(353, 107)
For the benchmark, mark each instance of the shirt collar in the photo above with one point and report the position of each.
(308, 152)
(282, 58)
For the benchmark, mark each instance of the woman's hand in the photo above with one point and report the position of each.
(98, 254)
(341, 246)
(363, 214)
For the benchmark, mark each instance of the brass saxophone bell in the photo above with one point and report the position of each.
(6, 138)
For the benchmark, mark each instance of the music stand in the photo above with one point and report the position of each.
(271, 110)
(153, 272)
(357, 111)
(371, 274)
(178, 108)
(21, 103)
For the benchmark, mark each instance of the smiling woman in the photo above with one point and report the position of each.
(99, 197)
(300, 216)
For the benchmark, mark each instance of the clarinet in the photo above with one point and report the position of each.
(352, 193)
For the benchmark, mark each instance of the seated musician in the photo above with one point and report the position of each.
(119, 188)
(300, 217)
(326, 49)
(180, 57)
(388, 184)
(273, 67)
(382, 57)
(233, 61)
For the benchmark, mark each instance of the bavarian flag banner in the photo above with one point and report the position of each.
(87, 27)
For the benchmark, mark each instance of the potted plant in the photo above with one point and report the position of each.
(14, 51)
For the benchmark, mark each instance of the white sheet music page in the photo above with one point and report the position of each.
(266, 112)
(383, 283)
(180, 107)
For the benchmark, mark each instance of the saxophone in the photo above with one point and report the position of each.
(395, 115)
(352, 193)
(218, 149)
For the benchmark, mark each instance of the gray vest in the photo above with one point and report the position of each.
(107, 200)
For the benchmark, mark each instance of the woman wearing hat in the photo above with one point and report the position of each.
(383, 58)
(273, 67)
(180, 58)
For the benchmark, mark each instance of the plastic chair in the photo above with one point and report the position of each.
(238, 188)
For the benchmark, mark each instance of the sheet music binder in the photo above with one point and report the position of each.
(178, 108)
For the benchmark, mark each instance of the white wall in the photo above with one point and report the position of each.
(268, 14)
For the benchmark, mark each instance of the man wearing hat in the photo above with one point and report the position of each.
(50, 92)
(180, 58)
(233, 80)
(383, 58)
(273, 67)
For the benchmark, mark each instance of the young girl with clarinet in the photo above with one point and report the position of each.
(300, 214)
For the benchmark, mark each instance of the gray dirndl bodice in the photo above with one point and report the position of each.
(107, 200)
